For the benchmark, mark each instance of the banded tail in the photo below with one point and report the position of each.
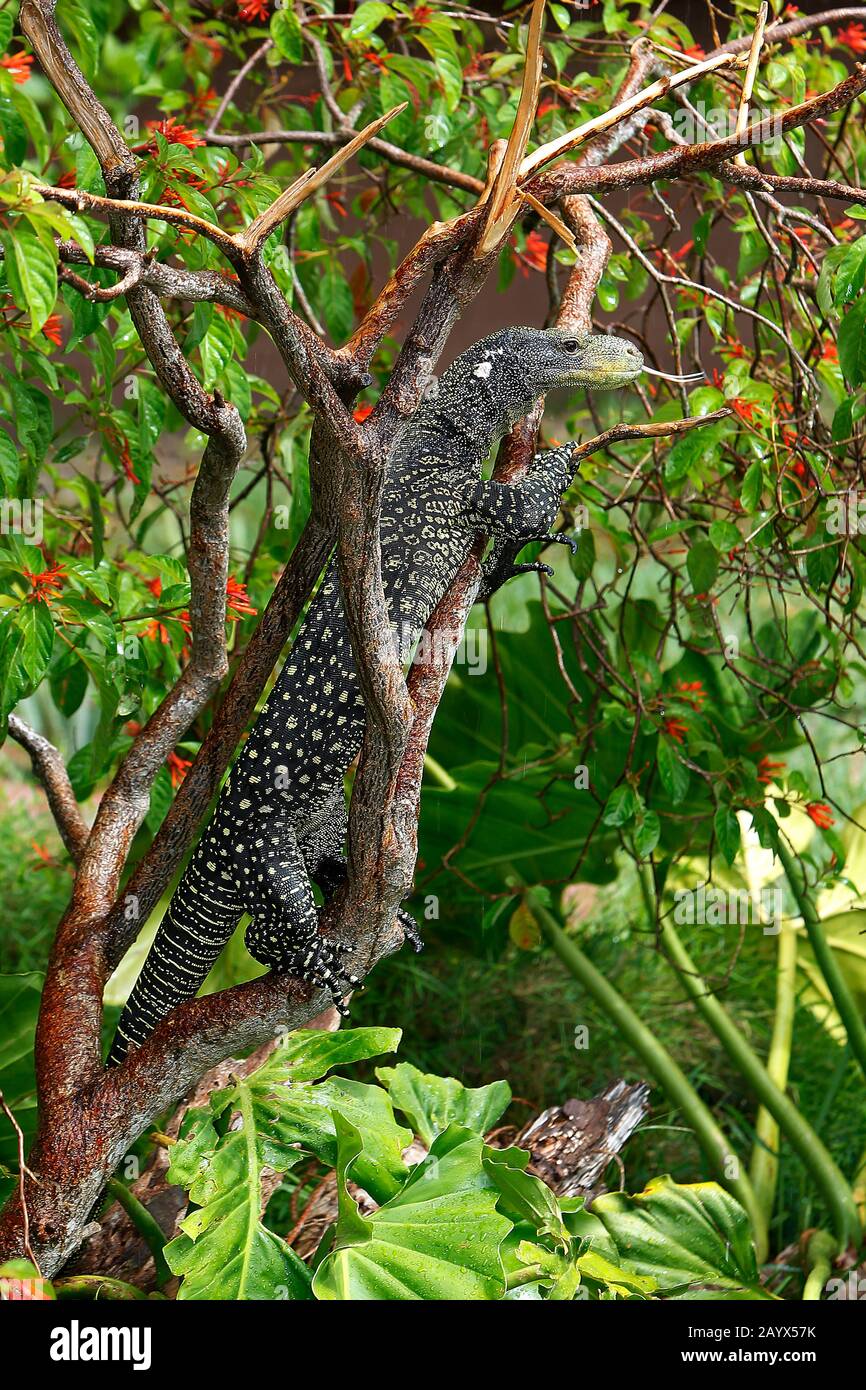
(201, 917)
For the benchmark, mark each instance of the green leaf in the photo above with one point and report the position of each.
(727, 829)
(19, 1009)
(8, 456)
(335, 301)
(287, 34)
(685, 1237)
(622, 804)
(225, 1252)
(523, 1196)
(12, 129)
(724, 536)
(674, 775)
(583, 559)
(32, 272)
(37, 631)
(753, 486)
(367, 19)
(432, 1103)
(437, 1239)
(702, 563)
(438, 39)
(6, 26)
(291, 1111)
(692, 451)
(852, 343)
(647, 833)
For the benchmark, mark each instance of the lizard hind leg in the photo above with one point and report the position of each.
(284, 932)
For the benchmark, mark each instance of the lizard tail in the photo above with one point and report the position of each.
(200, 919)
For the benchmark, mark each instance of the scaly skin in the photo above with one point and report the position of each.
(281, 818)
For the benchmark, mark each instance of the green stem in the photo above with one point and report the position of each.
(859, 1186)
(96, 1286)
(814, 1156)
(529, 1274)
(826, 960)
(819, 1258)
(676, 1085)
(146, 1225)
(764, 1167)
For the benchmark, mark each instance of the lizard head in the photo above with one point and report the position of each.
(555, 358)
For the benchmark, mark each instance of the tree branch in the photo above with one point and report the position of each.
(50, 769)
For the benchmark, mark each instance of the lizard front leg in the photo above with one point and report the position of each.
(284, 932)
(517, 514)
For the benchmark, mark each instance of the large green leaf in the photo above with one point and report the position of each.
(432, 1103)
(291, 1110)
(32, 271)
(19, 1007)
(225, 1251)
(852, 343)
(684, 1236)
(439, 1238)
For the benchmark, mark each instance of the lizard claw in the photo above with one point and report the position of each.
(411, 932)
(560, 538)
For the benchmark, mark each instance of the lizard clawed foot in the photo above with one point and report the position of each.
(316, 961)
(560, 538)
(411, 931)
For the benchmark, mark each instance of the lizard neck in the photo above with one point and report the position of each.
(469, 407)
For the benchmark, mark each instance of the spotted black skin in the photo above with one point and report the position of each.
(281, 818)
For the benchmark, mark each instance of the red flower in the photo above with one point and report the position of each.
(534, 257)
(854, 37)
(819, 812)
(155, 586)
(829, 351)
(337, 203)
(253, 9)
(237, 598)
(692, 692)
(157, 631)
(66, 180)
(45, 585)
(422, 14)
(379, 62)
(745, 409)
(126, 460)
(178, 768)
(18, 66)
(43, 852)
(175, 133)
(51, 329)
(767, 770)
(676, 729)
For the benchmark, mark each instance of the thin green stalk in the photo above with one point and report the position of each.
(146, 1225)
(764, 1166)
(676, 1085)
(826, 1174)
(819, 1258)
(96, 1286)
(826, 960)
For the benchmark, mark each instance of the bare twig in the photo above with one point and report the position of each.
(50, 770)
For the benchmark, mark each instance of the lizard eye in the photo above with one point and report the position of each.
(572, 345)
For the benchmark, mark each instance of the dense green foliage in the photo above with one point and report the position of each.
(682, 698)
